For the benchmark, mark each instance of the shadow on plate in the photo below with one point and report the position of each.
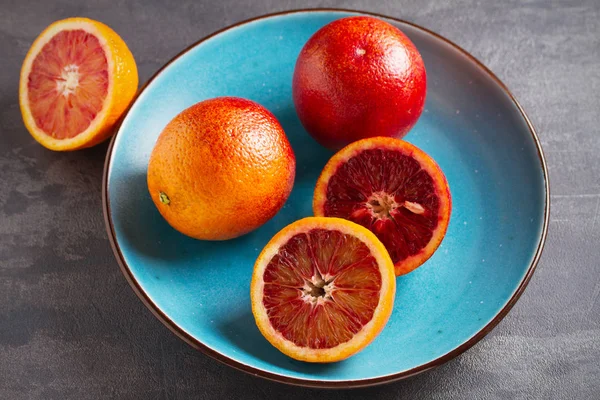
(148, 232)
(311, 157)
(241, 331)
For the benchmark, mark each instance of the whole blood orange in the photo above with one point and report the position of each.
(358, 77)
(77, 79)
(394, 189)
(221, 168)
(322, 289)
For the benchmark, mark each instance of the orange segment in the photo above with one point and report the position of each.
(322, 289)
(76, 81)
(392, 188)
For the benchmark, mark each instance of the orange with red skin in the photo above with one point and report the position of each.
(226, 167)
(358, 77)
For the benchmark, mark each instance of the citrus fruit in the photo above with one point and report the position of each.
(392, 188)
(322, 289)
(358, 77)
(221, 168)
(77, 79)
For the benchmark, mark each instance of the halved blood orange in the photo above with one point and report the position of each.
(322, 289)
(392, 188)
(77, 79)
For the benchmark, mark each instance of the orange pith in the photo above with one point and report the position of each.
(392, 188)
(322, 289)
(77, 79)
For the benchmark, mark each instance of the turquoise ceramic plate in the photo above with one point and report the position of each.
(471, 125)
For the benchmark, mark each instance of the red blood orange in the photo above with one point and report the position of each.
(394, 189)
(358, 77)
(322, 289)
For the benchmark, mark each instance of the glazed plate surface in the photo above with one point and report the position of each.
(471, 126)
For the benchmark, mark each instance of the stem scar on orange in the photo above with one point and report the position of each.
(392, 188)
(322, 289)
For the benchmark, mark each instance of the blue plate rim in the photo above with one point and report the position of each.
(196, 344)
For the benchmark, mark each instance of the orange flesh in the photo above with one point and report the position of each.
(390, 194)
(68, 83)
(321, 288)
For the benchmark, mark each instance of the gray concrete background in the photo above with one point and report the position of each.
(71, 327)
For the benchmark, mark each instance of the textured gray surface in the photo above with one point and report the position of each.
(71, 327)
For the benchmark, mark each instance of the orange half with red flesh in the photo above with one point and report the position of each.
(76, 81)
(392, 188)
(322, 289)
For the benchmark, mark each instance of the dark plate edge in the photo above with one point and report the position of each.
(306, 382)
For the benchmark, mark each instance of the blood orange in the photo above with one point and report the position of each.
(358, 77)
(394, 189)
(221, 168)
(76, 81)
(322, 289)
